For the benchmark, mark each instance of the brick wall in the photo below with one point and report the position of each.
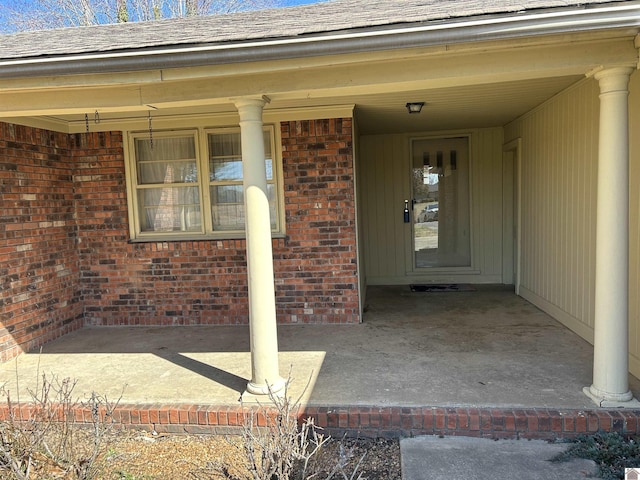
(164, 283)
(315, 272)
(204, 282)
(39, 264)
(66, 258)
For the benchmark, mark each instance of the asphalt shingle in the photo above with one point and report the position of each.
(315, 19)
(261, 25)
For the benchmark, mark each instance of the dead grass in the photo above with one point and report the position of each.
(141, 456)
(43, 442)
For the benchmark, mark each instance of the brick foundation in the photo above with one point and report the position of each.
(378, 422)
(67, 260)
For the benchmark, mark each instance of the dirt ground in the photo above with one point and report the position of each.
(142, 456)
(45, 443)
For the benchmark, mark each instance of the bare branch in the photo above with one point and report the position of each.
(21, 15)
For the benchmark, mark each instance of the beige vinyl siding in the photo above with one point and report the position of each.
(558, 211)
(558, 182)
(486, 203)
(559, 178)
(634, 225)
(383, 194)
(384, 179)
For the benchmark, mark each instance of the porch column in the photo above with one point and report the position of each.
(611, 330)
(262, 302)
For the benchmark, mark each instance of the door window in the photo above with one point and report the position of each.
(440, 182)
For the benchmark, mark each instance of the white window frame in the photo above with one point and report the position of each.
(200, 135)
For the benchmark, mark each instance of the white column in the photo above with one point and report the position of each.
(611, 342)
(262, 303)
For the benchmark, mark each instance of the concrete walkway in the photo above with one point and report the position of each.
(433, 458)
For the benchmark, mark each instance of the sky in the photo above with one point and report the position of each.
(290, 3)
(286, 3)
(12, 9)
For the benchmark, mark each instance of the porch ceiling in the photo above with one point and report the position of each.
(463, 86)
(459, 107)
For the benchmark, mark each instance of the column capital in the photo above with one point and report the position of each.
(612, 79)
(257, 102)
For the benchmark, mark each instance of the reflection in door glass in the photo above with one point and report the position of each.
(440, 182)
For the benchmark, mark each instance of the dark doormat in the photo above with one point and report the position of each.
(442, 287)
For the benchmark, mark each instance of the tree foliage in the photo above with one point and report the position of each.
(21, 15)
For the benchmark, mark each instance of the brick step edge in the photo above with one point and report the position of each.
(373, 421)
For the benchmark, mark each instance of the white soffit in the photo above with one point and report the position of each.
(445, 109)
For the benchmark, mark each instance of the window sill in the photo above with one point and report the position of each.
(197, 238)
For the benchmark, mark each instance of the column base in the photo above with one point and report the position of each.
(611, 400)
(264, 389)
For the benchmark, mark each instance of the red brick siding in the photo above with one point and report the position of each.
(39, 264)
(169, 283)
(66, 256)
(315, 268)
(204, 282)
(163, 283)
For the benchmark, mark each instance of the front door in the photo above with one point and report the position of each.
(440, 189)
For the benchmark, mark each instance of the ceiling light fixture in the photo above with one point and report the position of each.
(414, 107)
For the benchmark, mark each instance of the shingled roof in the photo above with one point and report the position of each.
(309, 20)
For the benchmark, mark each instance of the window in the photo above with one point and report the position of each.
(225, 181)
(184, 189)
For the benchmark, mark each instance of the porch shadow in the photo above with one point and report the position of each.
(215, 374)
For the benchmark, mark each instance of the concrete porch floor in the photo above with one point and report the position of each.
(485, 349)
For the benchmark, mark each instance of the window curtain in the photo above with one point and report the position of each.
(166, 204)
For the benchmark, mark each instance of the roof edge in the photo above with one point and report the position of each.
(508, 26)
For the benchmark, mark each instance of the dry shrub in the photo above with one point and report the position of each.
(41, 440)
(285, 450)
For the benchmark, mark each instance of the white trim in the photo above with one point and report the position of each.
(360, 276)
(439, 277)
(46, 123)
(189, 120)
(515, 146)
(426, 271)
